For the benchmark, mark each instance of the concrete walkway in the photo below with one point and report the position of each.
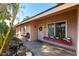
(45, 49)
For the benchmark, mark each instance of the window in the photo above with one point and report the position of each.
(20, 29)
(24, 30)
(60, 29)
(17, 30)
(51, 30)
(57, 29)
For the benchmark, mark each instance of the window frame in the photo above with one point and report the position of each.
(59, 22)
(54, 28)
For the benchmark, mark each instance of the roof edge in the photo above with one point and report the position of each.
(40, 13)
(57, 8)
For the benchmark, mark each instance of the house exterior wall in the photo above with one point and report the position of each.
(34, 32)
(77, 50)
(20, 32)
(70, 17)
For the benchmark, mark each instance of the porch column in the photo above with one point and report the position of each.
(78, 31)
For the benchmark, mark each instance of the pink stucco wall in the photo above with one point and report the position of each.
(69, 16)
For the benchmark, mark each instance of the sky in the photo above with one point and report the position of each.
(31, 9)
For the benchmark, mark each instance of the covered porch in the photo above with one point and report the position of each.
(40, 48)
(59, 28)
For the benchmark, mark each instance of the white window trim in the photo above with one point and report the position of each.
(59, 22)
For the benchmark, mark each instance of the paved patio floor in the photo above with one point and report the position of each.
(45, 49)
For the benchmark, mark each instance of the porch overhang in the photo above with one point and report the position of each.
(55, 10)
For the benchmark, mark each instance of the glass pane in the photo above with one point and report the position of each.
(60, 29)
(24, 30)
(51, 30)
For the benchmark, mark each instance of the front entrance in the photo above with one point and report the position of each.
(40, 32)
